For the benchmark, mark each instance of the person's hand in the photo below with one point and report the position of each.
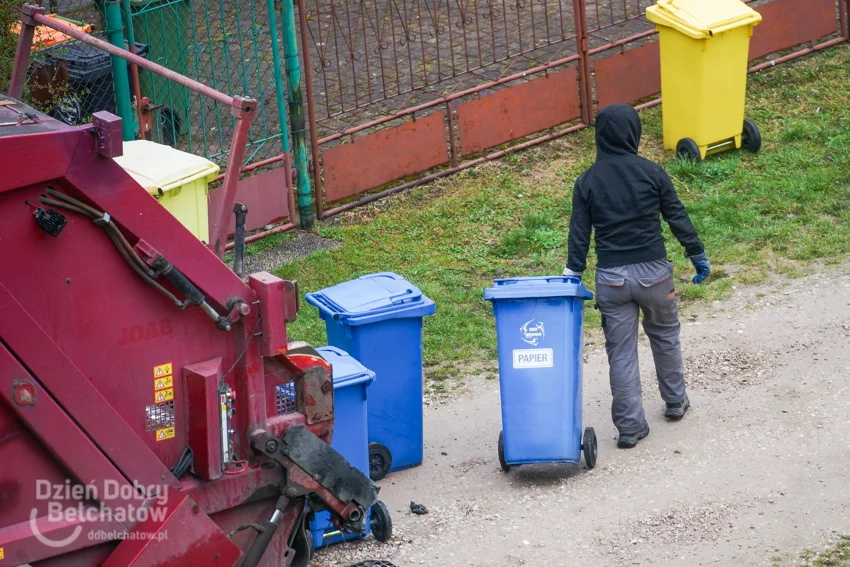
(568, 273)
(702, 266)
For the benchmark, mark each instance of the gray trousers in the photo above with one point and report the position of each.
(621, 294)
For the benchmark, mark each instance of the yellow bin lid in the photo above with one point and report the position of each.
(160, 168)
(701, 19)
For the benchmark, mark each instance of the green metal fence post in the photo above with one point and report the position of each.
(296, 113)
(120, 78)
(278, 76)
(128, 16)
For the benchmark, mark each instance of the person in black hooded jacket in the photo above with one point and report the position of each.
(623, 197)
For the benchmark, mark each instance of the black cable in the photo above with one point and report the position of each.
(59, 204)
(247, 346)
(184, 463)
(181, 467)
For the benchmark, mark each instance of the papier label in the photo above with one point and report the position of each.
(534, 358)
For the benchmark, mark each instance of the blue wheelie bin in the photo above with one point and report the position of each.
(377, 319)
(539, 326)
(350, 439)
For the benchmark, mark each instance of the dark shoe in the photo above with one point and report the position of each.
(677, 411)
(630, 441)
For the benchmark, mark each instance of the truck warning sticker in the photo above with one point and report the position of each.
(163, 383)
(162, 370)
(165, 433)
(533, 358)
(164, 395)
(2, 554)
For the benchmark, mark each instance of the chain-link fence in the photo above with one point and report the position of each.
(226, 44)
(68, 80)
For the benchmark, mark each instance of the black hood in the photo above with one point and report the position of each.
(617, 131)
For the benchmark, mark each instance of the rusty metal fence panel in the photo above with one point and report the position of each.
(788, 23)
(505, 115)
(459, 78)
(372, 58)
(411, 85)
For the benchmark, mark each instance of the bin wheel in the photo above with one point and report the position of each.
(380, 523)
(751, 137)
(687, 149)
(380, 461)
(589, 447)
(502, 463)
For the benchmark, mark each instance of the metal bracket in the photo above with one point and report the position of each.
(317, 471)
(107, 130)
(30, 10)
(237, 309)
(242, 107)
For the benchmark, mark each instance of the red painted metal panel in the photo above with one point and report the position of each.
(82, 558)
(265, 195)
(787, 23)
(27, 153)
(628, 76)
(231, 491)
(79, 531)
(203, 417)
(78, 395)
(272, 294)
(199, 543)
(57, 432)
(517, 111)
(58, 437)
(377, 159)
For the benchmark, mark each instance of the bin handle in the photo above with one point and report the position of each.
(400, 297)
(335, 315)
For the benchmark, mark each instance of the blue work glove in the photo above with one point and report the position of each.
(702, 266)
(568, 273)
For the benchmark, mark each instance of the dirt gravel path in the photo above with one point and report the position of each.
(759, 469)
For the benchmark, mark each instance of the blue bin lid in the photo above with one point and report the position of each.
(537, 287)
(371, 299)
(347, 371)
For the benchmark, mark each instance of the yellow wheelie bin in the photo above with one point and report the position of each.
(178, 180)
(704, 48)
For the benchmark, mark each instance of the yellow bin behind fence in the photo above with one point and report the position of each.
(179, 181)
(704, 48)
